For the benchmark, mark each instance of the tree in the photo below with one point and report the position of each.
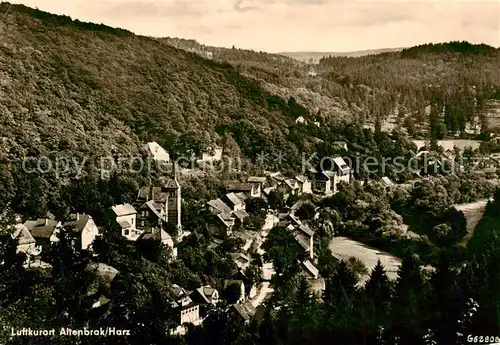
(232, 293)
(409, 297)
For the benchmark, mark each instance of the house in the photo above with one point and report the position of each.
(290, 187)
(305, 186)
(205, 295)
(126, 217)
(387, 181)
(227, 221)
(44, 231)
(241, 215)
(340, 145)
(244, 311)
(165, 202)
(322, 182)
(26, 243)
(305, 238)
(218, 206)
(241, 260)
(234, 202)
(160, 235)
(212, 154)
(81, 229)
(342, 172)
(312, 73)
(301, 120)
(258, 183)
(149, 215)
(252, 190)
(310, 270)
(295, 207)
(158, 153)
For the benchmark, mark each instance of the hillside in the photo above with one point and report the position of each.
(82, 89)
(314, 57)
(395, 87)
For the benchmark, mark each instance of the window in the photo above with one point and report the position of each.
(126, 232)
(172, 194)
(132, 221)
(142, 223)
(143, 213)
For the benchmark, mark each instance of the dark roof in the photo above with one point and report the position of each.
(246, 310)
(41, 228)
(76, 222)
(241, 214)
(256, 179)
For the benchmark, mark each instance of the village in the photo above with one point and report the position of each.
(157, 215)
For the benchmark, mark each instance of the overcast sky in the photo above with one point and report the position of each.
(277, 26)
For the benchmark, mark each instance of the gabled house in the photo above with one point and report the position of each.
(149, 215)
(126, 217)
(252, 190)
(160, 235)
(310, 270)
(81, 229)
(241, 260)
(305, 186)
(290, 187)
(166, 200)
(258, 184)
(218, 206)
(205, 295)
(322, 182)
(234, 202)
(158, 153)
(342, 172)
(244, 311)
(44, 231)
(305, 238)
(387, 181)
(301, 120)
(227, 221)
(26, 243)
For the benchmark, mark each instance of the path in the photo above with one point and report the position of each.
(473, 211)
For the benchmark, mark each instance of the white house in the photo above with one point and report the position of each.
(82, 229)
(301, 120)
(157, 152)
(234, 202)
(304, 184)
(126, 217)
(206, 295)
(258, 184)
(213, 155)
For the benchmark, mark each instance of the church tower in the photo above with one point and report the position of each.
(173, 202)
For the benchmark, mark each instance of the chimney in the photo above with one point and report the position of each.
(46, 221)
(77, 216)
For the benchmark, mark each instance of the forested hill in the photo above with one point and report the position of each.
(395, 86)
(80, 88)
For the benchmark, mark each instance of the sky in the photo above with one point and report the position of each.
(294, 25)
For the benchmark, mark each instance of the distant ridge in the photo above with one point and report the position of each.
(316, 56)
